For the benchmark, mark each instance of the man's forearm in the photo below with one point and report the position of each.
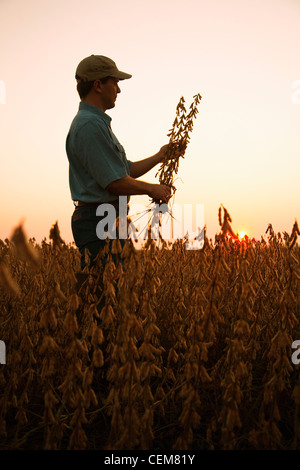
(141, 167)
(129, 186)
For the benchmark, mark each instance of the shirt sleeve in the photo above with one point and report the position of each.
(104, 160)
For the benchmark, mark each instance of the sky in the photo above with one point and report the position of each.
(242, 56)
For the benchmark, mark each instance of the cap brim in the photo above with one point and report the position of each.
(97, 75)
(122, 75)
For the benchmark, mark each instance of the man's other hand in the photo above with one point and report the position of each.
(160, 193)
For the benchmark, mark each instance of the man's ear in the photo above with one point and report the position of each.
(97, 86)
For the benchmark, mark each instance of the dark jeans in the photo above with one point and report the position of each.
(84, 222)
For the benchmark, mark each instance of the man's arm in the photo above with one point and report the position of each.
(130, 186)
(141, 167)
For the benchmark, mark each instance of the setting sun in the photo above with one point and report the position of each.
(242, 234)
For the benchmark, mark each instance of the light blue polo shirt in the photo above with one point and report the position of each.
(96, 157)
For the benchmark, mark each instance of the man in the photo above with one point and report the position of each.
(99, 171)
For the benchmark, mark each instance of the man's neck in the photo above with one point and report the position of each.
(94, 103)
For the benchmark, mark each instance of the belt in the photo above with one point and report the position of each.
(95, 204)
(81, 203)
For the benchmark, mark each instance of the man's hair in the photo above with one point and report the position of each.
(84, 88)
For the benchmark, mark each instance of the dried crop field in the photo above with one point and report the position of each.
(170, 349)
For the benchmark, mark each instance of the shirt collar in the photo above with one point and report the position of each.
(93, 109)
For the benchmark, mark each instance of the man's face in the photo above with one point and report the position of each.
(109, 92)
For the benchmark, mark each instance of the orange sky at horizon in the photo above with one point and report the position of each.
(243, 58)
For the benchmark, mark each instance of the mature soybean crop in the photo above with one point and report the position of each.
(168, 349)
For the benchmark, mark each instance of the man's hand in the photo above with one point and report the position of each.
(160, 193)
(161, 154)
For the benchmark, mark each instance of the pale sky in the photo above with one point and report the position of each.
(242, 56)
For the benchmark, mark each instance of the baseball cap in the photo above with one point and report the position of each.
(95, 67)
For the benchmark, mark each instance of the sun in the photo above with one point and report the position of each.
(242, 235)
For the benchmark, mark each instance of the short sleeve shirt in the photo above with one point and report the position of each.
(96, 157)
